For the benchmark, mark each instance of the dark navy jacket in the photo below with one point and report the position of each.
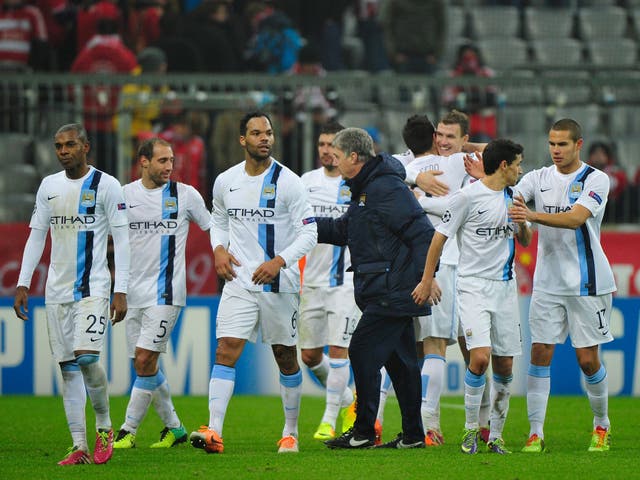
(388, 235)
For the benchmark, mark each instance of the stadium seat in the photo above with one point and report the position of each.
(504, 54)
(635, 18)
(624, 120)
(19, 144)
(619, 86)
(16, 207)
(543, 23)
(588, 116)
(557, 52)
(495, 21)
(612, 53)
(516, 119)
(45, 158)
(456, 22)
(19, 178)
(575, 88)
(602, 22)
(522, 89)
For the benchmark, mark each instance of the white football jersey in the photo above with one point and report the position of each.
(78, 214)
(158, 227)
(259, 217)
(326, 264)
(454, 177)
(570, 262)
(485, 235)
(405, 158)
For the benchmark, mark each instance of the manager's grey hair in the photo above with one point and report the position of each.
(355, 140)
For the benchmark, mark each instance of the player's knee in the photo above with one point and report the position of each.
(145, 363)
(286, 358)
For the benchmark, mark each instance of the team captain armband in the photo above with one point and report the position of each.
(307, 221)
(596, 197)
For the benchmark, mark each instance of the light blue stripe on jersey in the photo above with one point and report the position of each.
(164, 263)
(266, 232)
(507, 269)
(336, 276)
(84, 240)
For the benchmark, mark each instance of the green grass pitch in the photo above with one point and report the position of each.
(35, 436)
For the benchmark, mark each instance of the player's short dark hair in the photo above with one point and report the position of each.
(248, 116)
(146, 148)
(331, 127)
(498, 150)
(74, 127)
(570, 125)
(417, 133)
(456, 117)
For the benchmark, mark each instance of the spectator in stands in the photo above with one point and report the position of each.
(143, 27)
(60, 19)
(601, 156)
(415, 33)
(23, 36)
(275, 43)
(478, 102)
(183, 53)
(185, 136)
(140, 102)
(371, 33)
(104, 54)
(90, 14)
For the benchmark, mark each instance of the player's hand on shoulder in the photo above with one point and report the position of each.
(473, 165)
(21, 303)
(428, 183)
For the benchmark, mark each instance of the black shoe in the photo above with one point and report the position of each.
(350, 439)
(399, 443)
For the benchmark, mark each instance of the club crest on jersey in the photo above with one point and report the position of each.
(363, 200)
(468, 332)
(88, 198)
(344, 194)
(170, 205)
(269, 191)
(575, 190)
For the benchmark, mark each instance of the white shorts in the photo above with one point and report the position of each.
(328, 316)
(490, 315)
(242, 312)
(74, 326)
(443, 321)
(585, 319)
(150, 327)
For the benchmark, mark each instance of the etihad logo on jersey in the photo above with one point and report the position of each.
(259, 215)
(329, 210)
(493, 233)
(72, 220)
(154, 225)
(555, 208)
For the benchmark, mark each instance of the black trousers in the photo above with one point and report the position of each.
(388, 341)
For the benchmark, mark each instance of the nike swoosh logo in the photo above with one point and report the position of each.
(314, 189)
(94, 339)
(480, 212)
(156, 341)
(52, 197)
(542, 190)
(358, 443)
(234, 189)
(134, 206)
